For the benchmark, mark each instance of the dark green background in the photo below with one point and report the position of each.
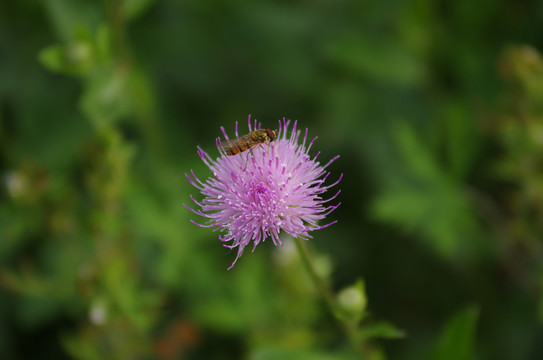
(436, 108)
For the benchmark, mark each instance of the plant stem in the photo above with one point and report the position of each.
(325, 291)
(319, 282)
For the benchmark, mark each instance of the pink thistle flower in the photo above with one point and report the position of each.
(257, 194)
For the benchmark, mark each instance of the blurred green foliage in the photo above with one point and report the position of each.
(436, 108)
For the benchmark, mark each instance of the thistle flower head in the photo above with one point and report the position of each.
(256, 194)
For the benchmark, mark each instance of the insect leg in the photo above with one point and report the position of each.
(247, 159)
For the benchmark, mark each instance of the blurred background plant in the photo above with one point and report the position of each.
(435, 107)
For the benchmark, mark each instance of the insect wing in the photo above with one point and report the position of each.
(238, 144)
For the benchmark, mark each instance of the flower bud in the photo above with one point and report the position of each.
(351, 302)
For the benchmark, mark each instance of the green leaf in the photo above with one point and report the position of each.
(52, 58)
(438, 207)
(134, 8)
(383, 330)
(299, 354)
(387, 61)
(73, 59)
(458, 336)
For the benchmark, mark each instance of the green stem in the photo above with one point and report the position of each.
(139, 89)
(325, 291)
(319, 282)
(116, 22)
